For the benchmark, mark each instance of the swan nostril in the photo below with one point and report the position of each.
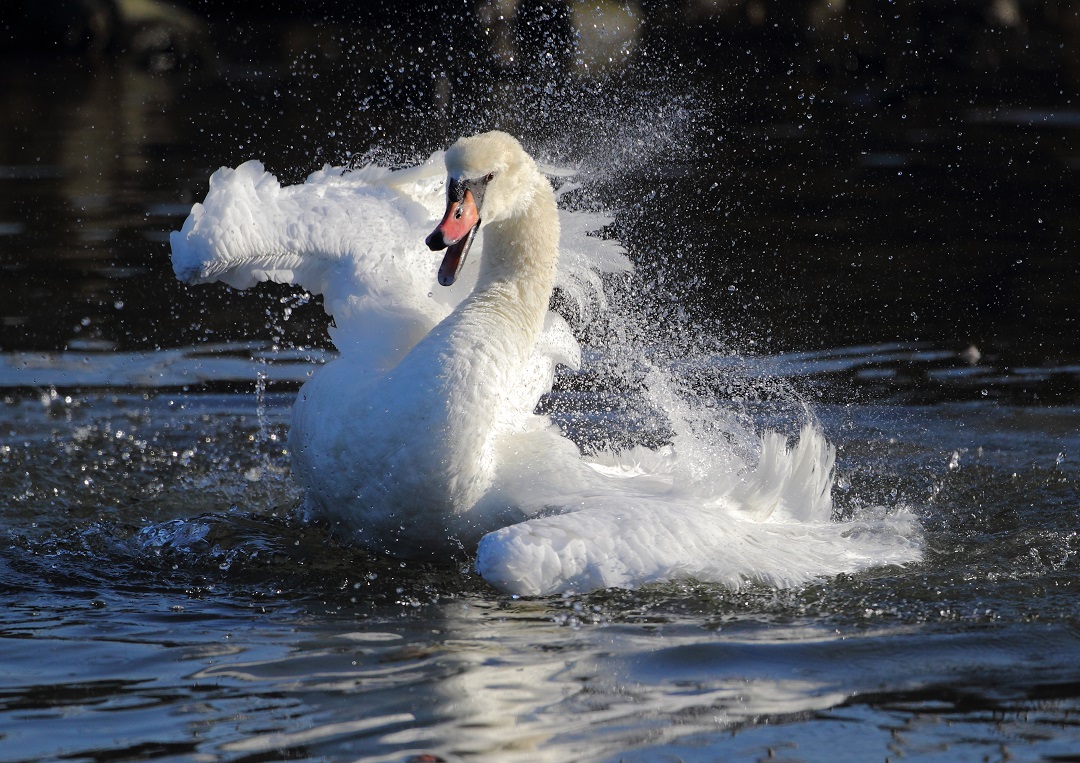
(457, 214)
(435, 241)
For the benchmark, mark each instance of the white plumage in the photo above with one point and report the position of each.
(420, 440)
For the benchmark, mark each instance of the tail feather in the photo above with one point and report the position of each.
(790, 483)
(780, 533)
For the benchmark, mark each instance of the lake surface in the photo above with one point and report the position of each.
(874, 222)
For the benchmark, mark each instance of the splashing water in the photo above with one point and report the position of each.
(353, 237)
(150, 588)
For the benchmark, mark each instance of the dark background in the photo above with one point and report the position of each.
(789, 176)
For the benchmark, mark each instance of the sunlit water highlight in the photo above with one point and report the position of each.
(163, 598)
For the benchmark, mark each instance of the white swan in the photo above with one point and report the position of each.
(420, 439)
(407, 458)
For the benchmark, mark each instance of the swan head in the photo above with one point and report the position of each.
(491, 173)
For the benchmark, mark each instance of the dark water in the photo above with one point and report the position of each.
(881, 226)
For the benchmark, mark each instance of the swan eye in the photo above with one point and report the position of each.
(490, 177)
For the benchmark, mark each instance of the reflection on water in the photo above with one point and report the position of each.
(878, 214)
(162, 597)
(206, 367)
(462, 691)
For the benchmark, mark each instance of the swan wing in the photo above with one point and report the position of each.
(610, 544)
(774, 529)
(329, 234)
(250, 228)
(354, 237)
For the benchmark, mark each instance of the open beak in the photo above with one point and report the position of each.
(457, 230)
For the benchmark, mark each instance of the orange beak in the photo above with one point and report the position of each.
(455, 234)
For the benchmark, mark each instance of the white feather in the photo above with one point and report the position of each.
(420, 440)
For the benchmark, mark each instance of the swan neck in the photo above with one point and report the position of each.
(523, 250)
